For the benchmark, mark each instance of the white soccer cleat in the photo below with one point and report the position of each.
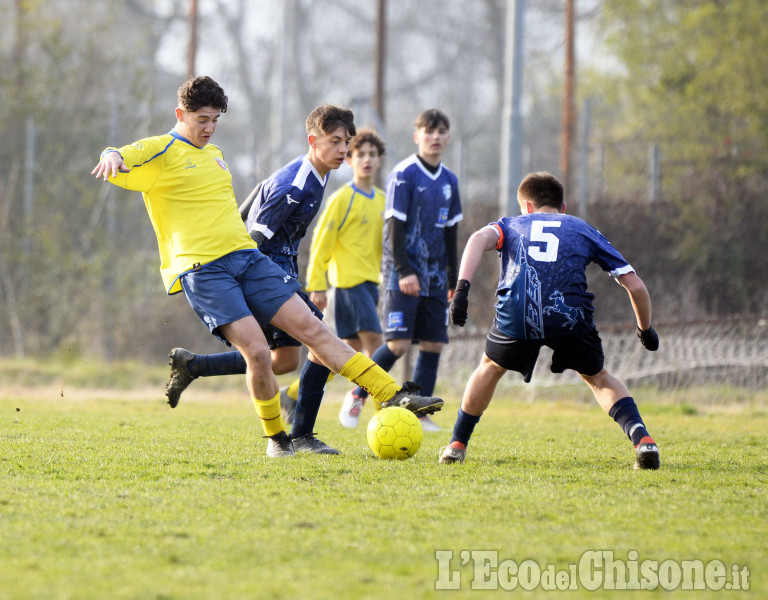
(349, 415)
(428, 424)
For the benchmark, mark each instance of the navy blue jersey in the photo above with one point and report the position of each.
(542, 290)
(427, 203)
(284, 206)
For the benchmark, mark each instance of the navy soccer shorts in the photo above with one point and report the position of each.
(355, 309)
(422, 319)
(581, 353)
(236, 285)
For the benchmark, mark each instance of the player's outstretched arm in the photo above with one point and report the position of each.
(478, 244)
(110, 165)
(641, 304)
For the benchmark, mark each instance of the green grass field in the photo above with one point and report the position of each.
(107, 494)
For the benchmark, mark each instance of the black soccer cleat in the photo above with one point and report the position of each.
(309, 443)
(180, 379)
(407, 398)
(647, 454)
(279, 446)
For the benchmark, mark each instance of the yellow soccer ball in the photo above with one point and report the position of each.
(394, 432)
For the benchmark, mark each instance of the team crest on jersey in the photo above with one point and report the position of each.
(447, 191)
(222, 164)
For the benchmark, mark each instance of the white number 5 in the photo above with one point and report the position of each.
(547, 253)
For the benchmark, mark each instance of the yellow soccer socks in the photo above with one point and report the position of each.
(269, 413)
(293, 390)
(367, 374)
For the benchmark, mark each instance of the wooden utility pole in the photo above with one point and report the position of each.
(381, 53)
(655, 186)
(586, 114)
(19, 45)
(192, 46)
(568, 117)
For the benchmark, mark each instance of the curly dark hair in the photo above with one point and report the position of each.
(201, 91)
(365, 135)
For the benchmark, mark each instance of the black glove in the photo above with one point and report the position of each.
(459, 303)
(648, 338)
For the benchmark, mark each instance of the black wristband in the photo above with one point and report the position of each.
(462, 286)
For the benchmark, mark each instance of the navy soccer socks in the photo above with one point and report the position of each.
(311, 390)
(625, 413)
(425, 371)
(209, 365)
(463, 428)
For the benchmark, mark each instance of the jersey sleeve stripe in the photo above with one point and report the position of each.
(455, 220)
(163, 151)
(622, 271)
(400, 216)
(346, 214)
(268, 233)
(500, 233)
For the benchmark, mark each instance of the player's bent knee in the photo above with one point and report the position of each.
(398, 347)
(257, 356)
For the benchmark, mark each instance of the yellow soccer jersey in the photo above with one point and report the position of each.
(189, 197)
(347, 240)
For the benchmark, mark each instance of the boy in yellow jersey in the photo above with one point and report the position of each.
(207, 253)
(277, 214)
(346, 252)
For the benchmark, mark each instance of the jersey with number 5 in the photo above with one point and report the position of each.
(542, 291)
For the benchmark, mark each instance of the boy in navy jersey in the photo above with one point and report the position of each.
(421, 217)
(542, 300)
(346, 252)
